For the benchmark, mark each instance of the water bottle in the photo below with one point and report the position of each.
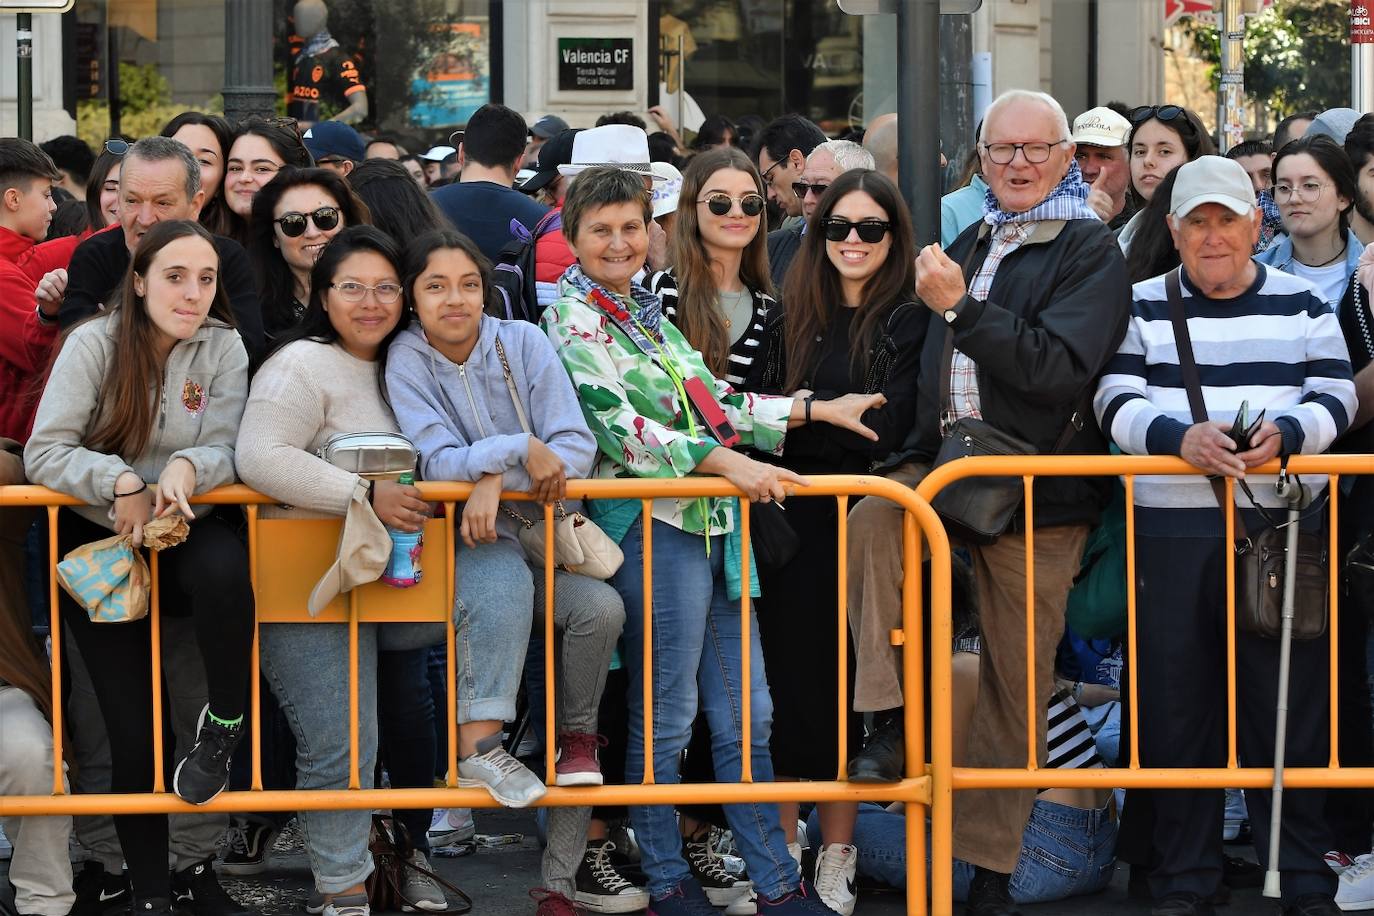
(403, 569)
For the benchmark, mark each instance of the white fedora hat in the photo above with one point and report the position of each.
(619, 146)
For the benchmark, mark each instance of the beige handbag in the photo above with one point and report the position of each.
(579, 544)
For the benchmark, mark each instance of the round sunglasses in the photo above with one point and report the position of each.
(837, 229)
(293, 224)
(721, 204)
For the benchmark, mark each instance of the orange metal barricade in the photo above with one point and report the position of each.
(287, 556)
(947, 778)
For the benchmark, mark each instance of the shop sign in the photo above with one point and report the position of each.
(591, 64)
(1361, 22)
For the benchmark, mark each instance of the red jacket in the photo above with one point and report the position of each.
(25, 341)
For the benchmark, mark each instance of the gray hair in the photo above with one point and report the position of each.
(161, 149)
(847, 154)
(1012, 96)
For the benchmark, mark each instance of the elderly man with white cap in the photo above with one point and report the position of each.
(1100, 134)
(1270, 360)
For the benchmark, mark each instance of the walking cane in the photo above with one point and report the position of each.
(1292, 490)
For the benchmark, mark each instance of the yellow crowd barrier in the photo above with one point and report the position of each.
(287, 556)
(947, 778)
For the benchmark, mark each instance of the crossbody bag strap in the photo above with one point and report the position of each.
(524, 424)
(1192, 380)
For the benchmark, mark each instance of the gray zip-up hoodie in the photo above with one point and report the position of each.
(463, 421)
(204, 389)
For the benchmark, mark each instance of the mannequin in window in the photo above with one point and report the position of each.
(321, 73)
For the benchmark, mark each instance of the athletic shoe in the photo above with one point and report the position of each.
(720, 887)
(348, 905)
(98, 891)
(451, 825)
(196, 892)
(577, 764)
(687, 899)
(1312, 905)
(804, 901)
(314, 904)
(508, 780)
(249, 845)
(1355, 889)
(1182, 904)
(601, 887)
(152, 906)
(203, 773)
(836, 869)
(552, 903)
(883, 755)
(1338, 861)
(419, 890)
(746, 905)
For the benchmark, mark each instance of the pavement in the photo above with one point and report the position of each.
(498, 878)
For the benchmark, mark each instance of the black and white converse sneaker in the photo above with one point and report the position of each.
(603, 889)
(721, 887)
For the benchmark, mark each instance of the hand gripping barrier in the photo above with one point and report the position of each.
(286, 557)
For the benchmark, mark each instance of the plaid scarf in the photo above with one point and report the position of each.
(1272, 225)
(1065, 201)
(643, 307)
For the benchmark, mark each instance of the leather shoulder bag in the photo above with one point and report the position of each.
(1261, 565)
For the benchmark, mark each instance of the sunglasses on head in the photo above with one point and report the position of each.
(116, 146)
(293, 224)
(1163, 113)
(800, 188)
(837, 229)
(721, 204)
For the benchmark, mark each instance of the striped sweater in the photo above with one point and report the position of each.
(1276, 346)
(744, 351)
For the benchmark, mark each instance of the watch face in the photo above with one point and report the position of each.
(950, 315)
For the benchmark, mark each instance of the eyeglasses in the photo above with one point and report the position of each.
(800, 188)
(330, 160)
(1306, 192)
(769, 170)
(721, 204)
(837, 229)
(116, 146)
(1035, 151)
(293, 224)
(351, 291)
(1165, 113)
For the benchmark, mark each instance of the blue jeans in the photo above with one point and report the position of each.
(696, 658)
(1065, 852)
(406, 732)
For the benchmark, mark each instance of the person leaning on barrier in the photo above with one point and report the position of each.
(1260, 336)
(101, 436)
(1031, 320)
(444, 380)
(324, 379)
(630, 368)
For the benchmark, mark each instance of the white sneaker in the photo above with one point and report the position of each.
(1355, 888)
(419, 891)
(836, 868)
(451, 825)
(348, 905)
(747, 904)
(507, 779)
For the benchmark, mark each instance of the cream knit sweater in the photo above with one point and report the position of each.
(304, 394)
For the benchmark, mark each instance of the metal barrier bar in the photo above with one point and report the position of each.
(1132, 680)
(451, 642)
(1333, 591)
(647, 524)
(550, 691)
(1231, 758)
(255, 662)
(746, 771)
(1032, 705)
(55, 632)
(155, 628)
(842, 639)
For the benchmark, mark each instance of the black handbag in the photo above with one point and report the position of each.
(1262, 561)
(772, 536)
(978, 510)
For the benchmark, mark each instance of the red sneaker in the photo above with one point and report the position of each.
(552, 903)
(577, 764)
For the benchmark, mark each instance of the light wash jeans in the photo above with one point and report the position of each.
(40, 869)
(696, 658)
(1066, 852)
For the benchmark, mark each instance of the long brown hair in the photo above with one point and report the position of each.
(22, 663)
(697, 315)
(124, 410)
(813, 292)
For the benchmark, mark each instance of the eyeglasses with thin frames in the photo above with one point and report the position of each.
(1306, 192)
(352, 291)
(1034, 151)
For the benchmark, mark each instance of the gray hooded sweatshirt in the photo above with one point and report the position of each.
(463, 421)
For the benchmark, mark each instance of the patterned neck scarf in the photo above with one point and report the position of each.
(320, 42)
(1065, 201)
(642, 312)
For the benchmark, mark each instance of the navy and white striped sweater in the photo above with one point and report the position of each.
(1277, 346)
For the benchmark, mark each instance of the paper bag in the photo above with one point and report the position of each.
(110, 579)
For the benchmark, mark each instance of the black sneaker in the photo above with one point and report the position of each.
(196, 892)
(721, 887)
(601, 887)
(1313, 905)
(152, 906)
(98, 891)
(1182, 904)
(884, 753)
(990, 895)
(684, 900)
(249, 844)
(203, 773)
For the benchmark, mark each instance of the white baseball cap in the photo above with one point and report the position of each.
(1101, 127)
(621, 146)
(667, 190)
(437, 153)
(1212, 180)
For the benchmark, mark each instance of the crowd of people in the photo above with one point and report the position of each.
(533, 304)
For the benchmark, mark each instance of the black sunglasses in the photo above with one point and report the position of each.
(293, 224)
(721, 204)
(1163, 113)
(800, 188)
(837, 229)
(116, 147)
